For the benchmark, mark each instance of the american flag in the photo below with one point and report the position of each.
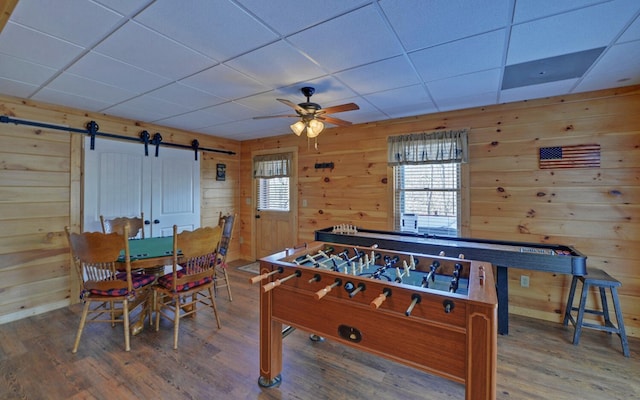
(578, 156)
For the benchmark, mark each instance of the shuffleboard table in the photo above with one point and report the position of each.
(501, 254)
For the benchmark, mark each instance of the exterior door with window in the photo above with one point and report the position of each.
(275, 202)
(120, 181)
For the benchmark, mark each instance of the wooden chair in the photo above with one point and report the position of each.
(135, 224)
(191, 281)
(221, 278)
(108, 291)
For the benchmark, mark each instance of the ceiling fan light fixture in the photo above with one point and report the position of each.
(314, 128)
(298, 127)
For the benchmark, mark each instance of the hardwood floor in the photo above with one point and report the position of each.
(536, 361)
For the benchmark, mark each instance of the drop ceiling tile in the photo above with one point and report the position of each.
(24, 71)
(145, 109)
(87, 103)
(248, 129)
(192, 121)
(77, 21)
(28, 44)
(139, 46)
(230, 111)
(566, 66)
(276, 65)
(527, 10)
(14, 88)
(297, 17)
(83, 87)
(537, 91)
(421, 24)
(356, 38)
(583, 29)
(216, 28)
(469, 101)
(632, 33)
(329, 91)
(136, 112)
(186, 96)
(266, 103)
(366, 113)
(151, 106)
(460, 57)
(465, 85)
(619, 66)
(379, 76)
(104, 69)
(125, 7)
(224, 82)
(410, 100)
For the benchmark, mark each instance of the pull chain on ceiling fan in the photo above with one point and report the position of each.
(312, 116)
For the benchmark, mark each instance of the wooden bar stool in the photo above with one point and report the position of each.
(601, 280)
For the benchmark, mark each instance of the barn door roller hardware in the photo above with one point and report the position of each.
(92, 131)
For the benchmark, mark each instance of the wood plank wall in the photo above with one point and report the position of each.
(594, 209)
(40, 193)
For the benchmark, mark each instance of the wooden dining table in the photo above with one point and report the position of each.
(150, 254)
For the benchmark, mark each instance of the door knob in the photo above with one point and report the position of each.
(147, 222)
(156, 221)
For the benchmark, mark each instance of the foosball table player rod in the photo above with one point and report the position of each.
(258, 278)
(323, 292)
(377, 302)
(278, 282)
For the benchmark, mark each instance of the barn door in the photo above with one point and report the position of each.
(119, 180)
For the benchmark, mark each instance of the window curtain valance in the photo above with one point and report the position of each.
(272, 165)
(428, 148)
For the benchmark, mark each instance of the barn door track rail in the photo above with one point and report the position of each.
(92, 131)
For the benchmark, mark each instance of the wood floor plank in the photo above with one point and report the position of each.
(535, 361)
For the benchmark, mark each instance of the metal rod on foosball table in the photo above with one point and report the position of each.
(416, 298)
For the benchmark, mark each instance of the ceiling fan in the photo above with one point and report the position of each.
(312, 115)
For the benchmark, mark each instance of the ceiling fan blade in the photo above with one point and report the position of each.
(340, 108)
(278, 116)
(294, 106)
(335, 121)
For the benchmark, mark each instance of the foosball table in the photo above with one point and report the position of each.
(369, 298)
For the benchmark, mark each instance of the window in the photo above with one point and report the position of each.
(272, 179)
(427, 198)
(427, 181)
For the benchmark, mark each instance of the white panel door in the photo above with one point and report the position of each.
(175, 191)
(120, 181)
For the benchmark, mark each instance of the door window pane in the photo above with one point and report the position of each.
(273, 194)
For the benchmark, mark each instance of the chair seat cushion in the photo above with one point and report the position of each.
(138, 280)
(166, 281)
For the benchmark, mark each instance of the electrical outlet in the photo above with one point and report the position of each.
(524, 280)
(304, 202)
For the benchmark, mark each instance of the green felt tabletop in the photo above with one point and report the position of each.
(141, 249)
